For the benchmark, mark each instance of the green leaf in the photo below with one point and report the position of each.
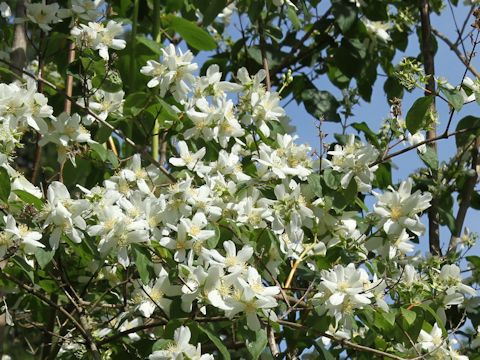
(314, 182)
(216, 340)
(195, 36)
(213, 241)
(331, 178)
(292, 15)
(5, 185)
(408, 315)
(256, 347)
(29, 198)
(214, 8)
(24, 267)
(389, 317)
(474, 260)
(430, 158)
(344, 16)
(417, 114)
(142, 263)
(43, 257)
(150, 44)
(321, 104)
(104, 154)
(468, 122)
(454, 97)
(161, 344)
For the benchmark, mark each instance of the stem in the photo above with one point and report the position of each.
(156, 141)
(263, 46)
(67, 107)
(469, 188)
(18, 54)
(428, 54)
(133, 44)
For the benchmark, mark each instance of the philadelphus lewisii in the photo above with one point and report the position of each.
(216, 228)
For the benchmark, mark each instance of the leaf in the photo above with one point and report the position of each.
(214, 8)
(104, 154)
(408, 315)
(314, 182)
(195, 36)
(474, 260)
(468, 122)
(256, 347)
(344, 16)
(454, 97)
(216, 340)
(5, 185)
(43, 257)
(321, 104)
(150, 44)
(292, 16)
(417, 113)
(142, 263)
(383, 175)
(430, 158)
(29, 198)
(331, 179)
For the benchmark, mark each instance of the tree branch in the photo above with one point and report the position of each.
(428, 54)
(457, 52)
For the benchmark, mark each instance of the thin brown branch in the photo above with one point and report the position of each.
(424, 142)
(343, 341)
(80, 327)
(457, 52)
(67, 106)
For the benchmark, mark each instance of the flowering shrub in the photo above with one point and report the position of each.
(170, 214)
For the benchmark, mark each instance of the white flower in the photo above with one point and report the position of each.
(5, 10)
(416, 139)
(180, 349)
(399, 209)
(378, 28)
(173, 74)
(265, 108)
(353, 160)
(153, 295)
(27, 238)
(87, 9)
(431, 341)
(280, 3)
(233, 261)
(45, 15)
(186, 157)
(63, 214)
(450, 276)
(99, 37)
(474, 86)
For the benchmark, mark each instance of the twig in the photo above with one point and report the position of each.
(426, 141)
(343, 341)
(457, 52)
(468, 190)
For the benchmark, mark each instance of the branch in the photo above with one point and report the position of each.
(469, 188)
(428, 53)
(343, 341)
(424, 142)
(263, 46)
(86, 335)
(457, 52)
(18, 54)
